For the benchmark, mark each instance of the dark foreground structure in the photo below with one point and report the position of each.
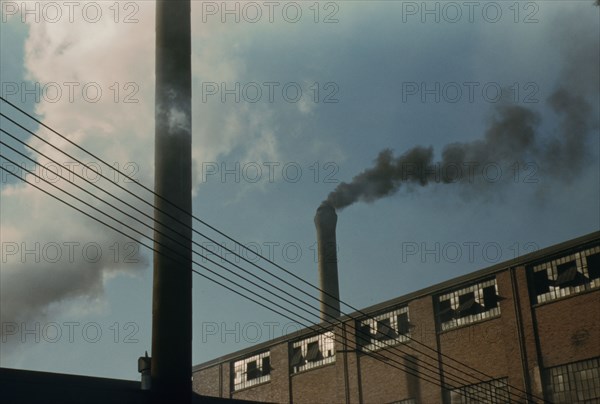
(24, 386)
(525, 330)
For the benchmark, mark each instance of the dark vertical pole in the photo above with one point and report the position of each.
(172, 288)
(412, 382)
(521, 335)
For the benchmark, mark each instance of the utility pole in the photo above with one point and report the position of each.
(172, 288)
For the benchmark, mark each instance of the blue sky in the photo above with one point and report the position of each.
(367, 61)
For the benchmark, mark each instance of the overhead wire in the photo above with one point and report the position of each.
(104, 213)
(250, 250)
(362, 313)
(377, 356)
(243, 257)
(357, 331)
(309, 326)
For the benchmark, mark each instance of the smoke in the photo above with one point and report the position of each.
(54, 260)
(39, 275)
(512, 138)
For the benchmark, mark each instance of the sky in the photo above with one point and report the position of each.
(291, 101)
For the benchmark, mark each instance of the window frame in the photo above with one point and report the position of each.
(564, 382)
(325, 355)
(240, 370)
(453, 301)
(543, 275)
(392, 323)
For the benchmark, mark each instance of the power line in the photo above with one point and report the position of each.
(421, 376)
(53, 185)
(94, 196)
(246, 248)
(226, 236)
(408, 337)
(141, 222)
(62, 190)
(357, 331)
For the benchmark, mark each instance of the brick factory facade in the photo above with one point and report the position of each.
(526, 326)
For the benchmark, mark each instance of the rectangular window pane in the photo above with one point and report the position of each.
(297, 358)
(568, 275)
(252, 371)
(541, 282)
(266, 366)
(385, 330)
(593, 265)
(490, 298)
(403, 326)
(313, 352)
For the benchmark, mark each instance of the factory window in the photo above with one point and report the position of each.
(467, 305)
(312, 352)
(577, 382)
(250, 371)
(491, 392)
(384, 330)
(566, 276)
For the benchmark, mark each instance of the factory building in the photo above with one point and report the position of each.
(525, 330)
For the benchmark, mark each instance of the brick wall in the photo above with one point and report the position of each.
(569, 329)
(208, 382)
(315, 386)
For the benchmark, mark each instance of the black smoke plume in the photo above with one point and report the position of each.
(512, 137)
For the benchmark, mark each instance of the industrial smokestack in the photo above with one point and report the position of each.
(171, 368)
(325, 221)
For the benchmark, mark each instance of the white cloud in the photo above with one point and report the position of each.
(98, 67)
